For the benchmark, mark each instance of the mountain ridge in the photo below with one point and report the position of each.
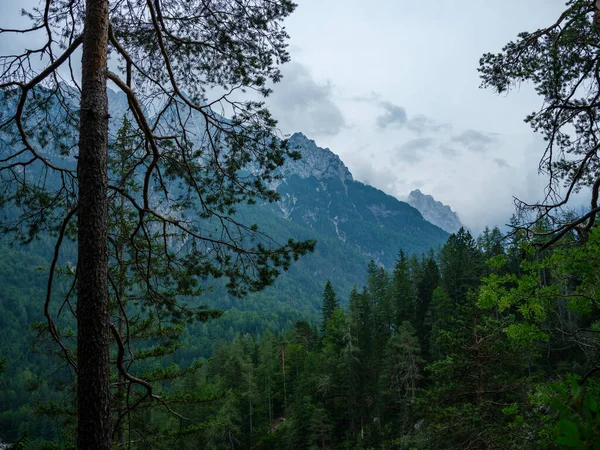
(352, 222)
(319, 192)
(322, 163)
(435, 211)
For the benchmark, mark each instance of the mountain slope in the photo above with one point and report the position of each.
(352, 223)
(319, 192)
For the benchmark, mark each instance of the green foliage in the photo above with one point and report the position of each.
(402, 291)
(401, 373)
(566, 276)
(507, 361)
(577, 414)
(20, 444)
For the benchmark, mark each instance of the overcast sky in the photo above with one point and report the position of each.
(392, 87)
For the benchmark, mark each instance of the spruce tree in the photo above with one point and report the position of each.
(461, 265)
(382, 316)
(328, 305)
(402, 292)
(427, 281)
(400, 376)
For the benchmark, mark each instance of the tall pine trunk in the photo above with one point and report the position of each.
(93, 395)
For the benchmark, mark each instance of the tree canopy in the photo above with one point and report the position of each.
(562, 63)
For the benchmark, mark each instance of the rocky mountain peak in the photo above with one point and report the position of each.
(433, 211)
(316, 162)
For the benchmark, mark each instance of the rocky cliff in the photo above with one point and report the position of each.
(435, 212)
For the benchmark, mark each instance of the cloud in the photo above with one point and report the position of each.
(379, 178)
(474, 140)
(421, 124)
(501, 163)
(363, 169)
(448, 151)
(412, 151)
(371, 97)
(301, 103)
(393, 116)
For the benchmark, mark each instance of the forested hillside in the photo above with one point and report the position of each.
(351, 223)
(296, 295)
(484, 345)
(469, 343)
(318, 192)
(179, 272)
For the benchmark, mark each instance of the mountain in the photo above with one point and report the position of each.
(352, 223)
(318, 192)
(316, 162)
(435, 212)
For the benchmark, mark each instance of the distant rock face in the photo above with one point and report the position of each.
(317, 162)
(318, 193)
(435, 212)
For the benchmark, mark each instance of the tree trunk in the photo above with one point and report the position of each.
(250, 402)
(284, 385)
(93, 345)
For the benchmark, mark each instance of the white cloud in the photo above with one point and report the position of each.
(392, 116)
(421, 58)
(300, 103)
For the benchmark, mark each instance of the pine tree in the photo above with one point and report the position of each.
(444, 314)
(382, 314)
(170, 59)
(427, 279)
(328, 305)
(461, 265)
(401, 373)
(225, 432)
(567, 118)
(320, 427)
(478, 375)
(403, 293)
(490, 242)
(267, 369)
(146, 339)
(341, 374)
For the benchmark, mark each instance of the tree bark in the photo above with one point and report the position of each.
(93, 344)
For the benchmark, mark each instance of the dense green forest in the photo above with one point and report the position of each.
(160, 261)
(485, 344)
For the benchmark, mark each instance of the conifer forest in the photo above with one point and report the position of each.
(182, 266)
